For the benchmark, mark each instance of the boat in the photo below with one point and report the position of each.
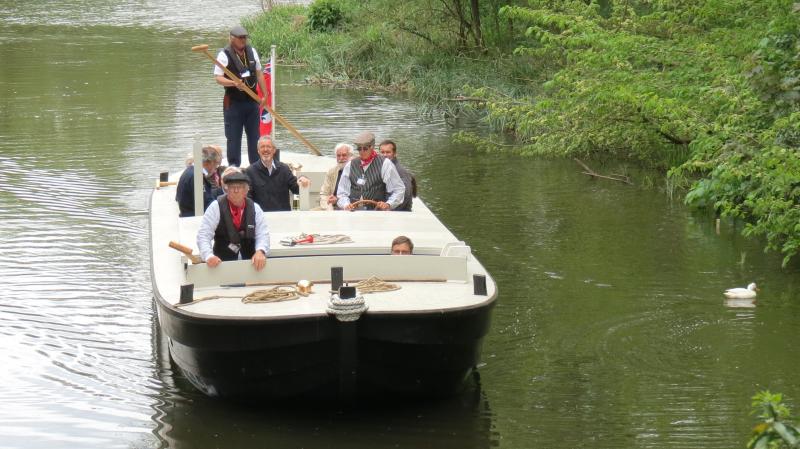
(421, 340)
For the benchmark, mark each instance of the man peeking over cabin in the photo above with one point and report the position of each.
(235, 225)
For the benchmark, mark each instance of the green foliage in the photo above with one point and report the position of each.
(707, 90)
(774, 432)
(325, 15)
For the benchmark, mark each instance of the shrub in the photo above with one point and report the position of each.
(325, 15)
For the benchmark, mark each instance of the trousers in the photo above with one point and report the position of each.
(241, 116)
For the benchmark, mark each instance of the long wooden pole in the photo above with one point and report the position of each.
(254, 96)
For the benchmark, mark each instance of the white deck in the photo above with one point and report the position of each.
(437, 277)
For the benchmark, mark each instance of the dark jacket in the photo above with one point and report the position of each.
(184, 193)
(411, 186)
(226, 234)
(271, 192)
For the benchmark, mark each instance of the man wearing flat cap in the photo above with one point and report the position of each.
(370, 177)
(235, 225)
(239, 110)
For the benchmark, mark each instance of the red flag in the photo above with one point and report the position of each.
(265, 123)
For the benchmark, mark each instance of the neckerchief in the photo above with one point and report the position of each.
(372, 156)
(236, 213)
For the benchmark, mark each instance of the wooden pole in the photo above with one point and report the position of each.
(254, 96)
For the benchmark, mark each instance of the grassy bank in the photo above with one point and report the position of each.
(708, 91)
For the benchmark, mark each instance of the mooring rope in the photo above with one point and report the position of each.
(275, 294)
(375, 285)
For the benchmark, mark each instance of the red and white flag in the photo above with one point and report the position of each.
(265, 123)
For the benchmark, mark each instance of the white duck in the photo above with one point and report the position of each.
(742, 293)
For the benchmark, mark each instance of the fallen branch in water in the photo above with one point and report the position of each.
(594, 174)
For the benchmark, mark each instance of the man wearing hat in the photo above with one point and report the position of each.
(239, 110)
(235, 225)
(370, 177)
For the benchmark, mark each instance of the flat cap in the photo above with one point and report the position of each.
(238, 31)
(235, 177)
(365, 139)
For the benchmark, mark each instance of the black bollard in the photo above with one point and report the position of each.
(337, 278)
(163, 176)
(187, 293)
(479, 284)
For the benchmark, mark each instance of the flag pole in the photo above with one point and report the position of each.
(272, 66)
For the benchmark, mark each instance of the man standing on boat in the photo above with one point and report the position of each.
(239, 110)
(327, 193)
(388, 149)
(370, 177)
(235, 225)
(272, 180)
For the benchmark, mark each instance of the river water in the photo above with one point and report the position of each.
(610, 330)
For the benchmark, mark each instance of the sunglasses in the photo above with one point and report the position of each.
(364, 148)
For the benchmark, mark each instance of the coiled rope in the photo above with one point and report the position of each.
(275, 294)
(375, 285)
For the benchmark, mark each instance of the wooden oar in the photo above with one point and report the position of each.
(204, 49)
(186, 250)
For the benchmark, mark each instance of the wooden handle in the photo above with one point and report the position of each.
(185, 250)
(166, 183)
(254, 96)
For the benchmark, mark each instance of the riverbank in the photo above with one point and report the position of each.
(707, 92)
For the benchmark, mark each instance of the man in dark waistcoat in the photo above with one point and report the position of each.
(235, 225)
(369, 177)
(184, 193)
(272, 180)
(239, 110)
(388, 149)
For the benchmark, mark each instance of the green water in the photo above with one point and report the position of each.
(610, 330)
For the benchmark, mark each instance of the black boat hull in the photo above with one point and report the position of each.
(404, 354)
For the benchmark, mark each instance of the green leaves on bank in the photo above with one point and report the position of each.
(774, 432)
(707, 90)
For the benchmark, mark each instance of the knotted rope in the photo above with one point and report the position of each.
(346, 309)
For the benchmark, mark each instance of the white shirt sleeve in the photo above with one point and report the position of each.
(222, 57)
(343, 192)
(262, 231)
(394, 185)
(205, 235)
(258, 59)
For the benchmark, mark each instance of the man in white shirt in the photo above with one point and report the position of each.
(235, 225)
(369, 177)
(239, 110)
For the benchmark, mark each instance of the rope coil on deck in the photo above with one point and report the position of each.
(376, 285)
(275, 294)
(346, 309)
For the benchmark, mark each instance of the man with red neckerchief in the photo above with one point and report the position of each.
(236, 226)
(370, 177)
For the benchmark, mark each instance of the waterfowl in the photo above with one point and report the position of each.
(742, 293)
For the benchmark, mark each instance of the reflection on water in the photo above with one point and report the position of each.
(611, 330)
